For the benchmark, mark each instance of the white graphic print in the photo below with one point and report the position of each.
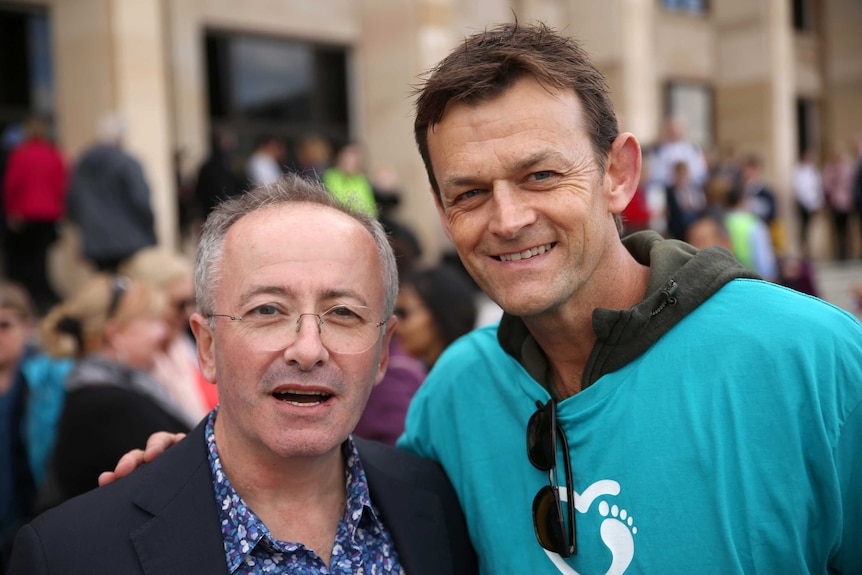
(617, 529)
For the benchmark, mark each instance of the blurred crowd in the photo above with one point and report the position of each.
(90, 375)
(708, 197)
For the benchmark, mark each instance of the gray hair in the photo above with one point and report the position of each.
(291, 189)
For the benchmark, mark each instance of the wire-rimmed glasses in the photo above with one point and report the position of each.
(343, 328)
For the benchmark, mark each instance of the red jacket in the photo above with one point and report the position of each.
(34, 188)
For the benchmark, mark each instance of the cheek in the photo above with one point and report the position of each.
(420, 333)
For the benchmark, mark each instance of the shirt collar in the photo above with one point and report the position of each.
(242, 529)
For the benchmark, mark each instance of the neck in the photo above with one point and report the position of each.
(300, 499)
(566, 335)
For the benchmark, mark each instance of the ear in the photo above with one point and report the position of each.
(443, 220)
(384, 351)
(623, 171)
(205, 344)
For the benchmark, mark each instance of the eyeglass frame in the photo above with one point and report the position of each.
(320, 322)
(571, 546)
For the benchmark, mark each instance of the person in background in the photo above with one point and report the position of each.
(34, 198)
(109, 199)
(347, 180)
(114, 328)
(31, 398)
(217, 178)
(293, 328)
(177, 369)
(313, 156)
(760, 200)
(750, 239)
(265, 165)
(436, 305)
(808, 192)
(674, 148)
(837, 179)
(383, 417)
(708, 230)
(685, 202)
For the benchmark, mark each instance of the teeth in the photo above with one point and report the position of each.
(526, 254)
(303, 403)
(288, 396)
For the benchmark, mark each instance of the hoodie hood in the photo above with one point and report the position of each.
(681, 278)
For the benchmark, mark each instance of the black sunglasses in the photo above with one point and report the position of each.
(553, 533)
(119, 286)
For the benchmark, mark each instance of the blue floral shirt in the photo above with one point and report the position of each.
(363, 545)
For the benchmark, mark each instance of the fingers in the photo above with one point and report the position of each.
(127, 463)
(157, 444)
(106, 477)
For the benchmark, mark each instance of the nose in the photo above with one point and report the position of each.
(307, 350)
(511, 213)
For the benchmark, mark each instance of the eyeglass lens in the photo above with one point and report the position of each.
(541, 438)
(342, 329)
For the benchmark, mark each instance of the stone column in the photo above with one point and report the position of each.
(110, 57)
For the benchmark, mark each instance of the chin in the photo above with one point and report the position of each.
(309, 443)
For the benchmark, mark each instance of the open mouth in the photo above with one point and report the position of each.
(301, 398)
(526, 254)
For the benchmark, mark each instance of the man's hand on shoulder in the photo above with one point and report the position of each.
(156, 445)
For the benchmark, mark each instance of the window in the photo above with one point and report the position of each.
(692, 102)
(803, 15)
(27, 84)
(260, 85)
(696, 7)
(807, 126)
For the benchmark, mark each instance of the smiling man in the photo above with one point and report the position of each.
(679, 414)
(295, 295)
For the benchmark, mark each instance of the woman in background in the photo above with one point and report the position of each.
(114, 327)
(435, 306)
(177, 369)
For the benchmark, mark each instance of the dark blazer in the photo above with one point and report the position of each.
(162, 519)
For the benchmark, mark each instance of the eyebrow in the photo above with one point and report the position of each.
(522, 165)
(286, 293)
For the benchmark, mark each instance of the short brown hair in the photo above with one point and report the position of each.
(489, 63)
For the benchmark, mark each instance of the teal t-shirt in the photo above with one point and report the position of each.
(732, 445)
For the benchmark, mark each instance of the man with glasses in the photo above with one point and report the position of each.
(681, 415)
(294, 330)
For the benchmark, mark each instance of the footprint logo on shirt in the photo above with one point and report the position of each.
(617, 529)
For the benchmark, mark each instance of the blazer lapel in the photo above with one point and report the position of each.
(184, 535)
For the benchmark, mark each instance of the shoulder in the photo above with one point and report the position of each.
(100, 515)
(777, 301)
(396, 462)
